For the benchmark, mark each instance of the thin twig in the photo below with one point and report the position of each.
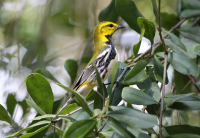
(163, 95)
(99, 94)
(54, 121)
(189, 82)
(194, 83)
(164, 72)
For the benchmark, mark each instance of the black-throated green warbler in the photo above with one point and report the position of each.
(104, 57)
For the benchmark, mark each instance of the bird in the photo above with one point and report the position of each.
(104, 57)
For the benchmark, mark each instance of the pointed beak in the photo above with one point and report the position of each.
(119, 27)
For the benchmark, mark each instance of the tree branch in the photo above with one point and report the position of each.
(194, 83)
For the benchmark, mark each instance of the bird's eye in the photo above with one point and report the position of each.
(110, 25)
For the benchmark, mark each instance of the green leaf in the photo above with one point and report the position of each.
(182, 129)
(150, 73)
(71, 67)
(98, 101)
(186, 103)
(90, 96)
(109, 13)
(143, 135)
(191, 4)
(27, 135)
(197, 50)
(129, 12)
(4, 115)
(151, 88)
(158, 70)
(184, 136)
(168, 20)
(11, 103)
(24, 106)
(190, 13)
(149, 28)
(119, 129)
(133, 118)
(80, 98)
(179, 51)
(134, 96)
(137, 74)
(69, 108)
(40, 91)
(46, 74)
(137, 46)
(179, 6)
(44, 116)
(176, 41)
(116, 95)
(180, 81)
(38, 109)
(183, 64)
(28, 128)
(84, 128)
(192, 33)
(155, 8)
(179, 98)
(68, 118)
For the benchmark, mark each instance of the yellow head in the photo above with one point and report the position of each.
(103, 30)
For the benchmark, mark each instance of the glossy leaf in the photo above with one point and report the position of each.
(27, 135)
(150, 73)
(179, 51)
(137, 74)
(149, 28)
(11, 103)
(182, 129)
(151, 88)
(158, 70)
(28, 128)
(176, 41)
(182, 64)
(119, 129)
(38, 109)
(71, 67)
(40, 91)
(69, 108)
(133, 118)
(179, 98)
(80, 98)
(84, 128)
(136, 47)
(109, 13)
(4, 115)
(129, 12)
(46, 74)
(134, 96)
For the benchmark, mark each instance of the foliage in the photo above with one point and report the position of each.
(145, 72)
